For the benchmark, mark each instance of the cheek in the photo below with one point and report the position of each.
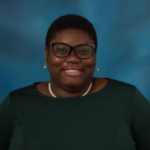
(90, 66)
(54, 63)
(91, 62)
(53, 60)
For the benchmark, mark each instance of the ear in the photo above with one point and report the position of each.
(95, 53)
(46, 54)
(96, 50)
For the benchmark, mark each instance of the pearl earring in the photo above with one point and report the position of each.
(45, 66)
(97, 68)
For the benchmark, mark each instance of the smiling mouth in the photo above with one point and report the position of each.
(72, 72)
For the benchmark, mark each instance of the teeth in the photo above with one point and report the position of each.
(72, 70)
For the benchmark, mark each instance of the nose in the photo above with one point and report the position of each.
(72, 58)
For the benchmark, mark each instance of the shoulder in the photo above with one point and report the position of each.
(122, 85)
(116, 89)
(114, 84)
(16, 96)
(122, 89)
(23, 94)
(24, 97)
(23, 90)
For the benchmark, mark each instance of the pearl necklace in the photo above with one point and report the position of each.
(50, 90)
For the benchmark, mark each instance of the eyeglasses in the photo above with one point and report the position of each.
(82, 51)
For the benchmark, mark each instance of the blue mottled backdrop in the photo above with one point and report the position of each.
(123, 30)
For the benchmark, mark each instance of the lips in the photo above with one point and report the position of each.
(73, 72)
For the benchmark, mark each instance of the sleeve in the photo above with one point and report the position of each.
(4, 124)
(141, 121)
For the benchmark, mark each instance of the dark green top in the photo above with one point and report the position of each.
(114, 118)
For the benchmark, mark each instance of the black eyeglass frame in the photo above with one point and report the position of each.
(73, 48)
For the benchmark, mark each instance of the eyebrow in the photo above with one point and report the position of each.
(73, 46)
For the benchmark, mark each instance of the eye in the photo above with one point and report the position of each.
(84, 51)
(61, 50)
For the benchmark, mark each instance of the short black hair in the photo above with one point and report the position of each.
(71, 21)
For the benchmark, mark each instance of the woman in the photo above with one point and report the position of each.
(74, 111)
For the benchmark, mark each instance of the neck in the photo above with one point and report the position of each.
(66, 91)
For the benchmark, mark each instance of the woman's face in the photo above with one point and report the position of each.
(70, 71)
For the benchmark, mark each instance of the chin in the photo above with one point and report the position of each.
(72, 83)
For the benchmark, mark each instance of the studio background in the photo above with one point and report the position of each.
(123, 31)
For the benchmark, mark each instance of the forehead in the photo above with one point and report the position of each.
(72, 37)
